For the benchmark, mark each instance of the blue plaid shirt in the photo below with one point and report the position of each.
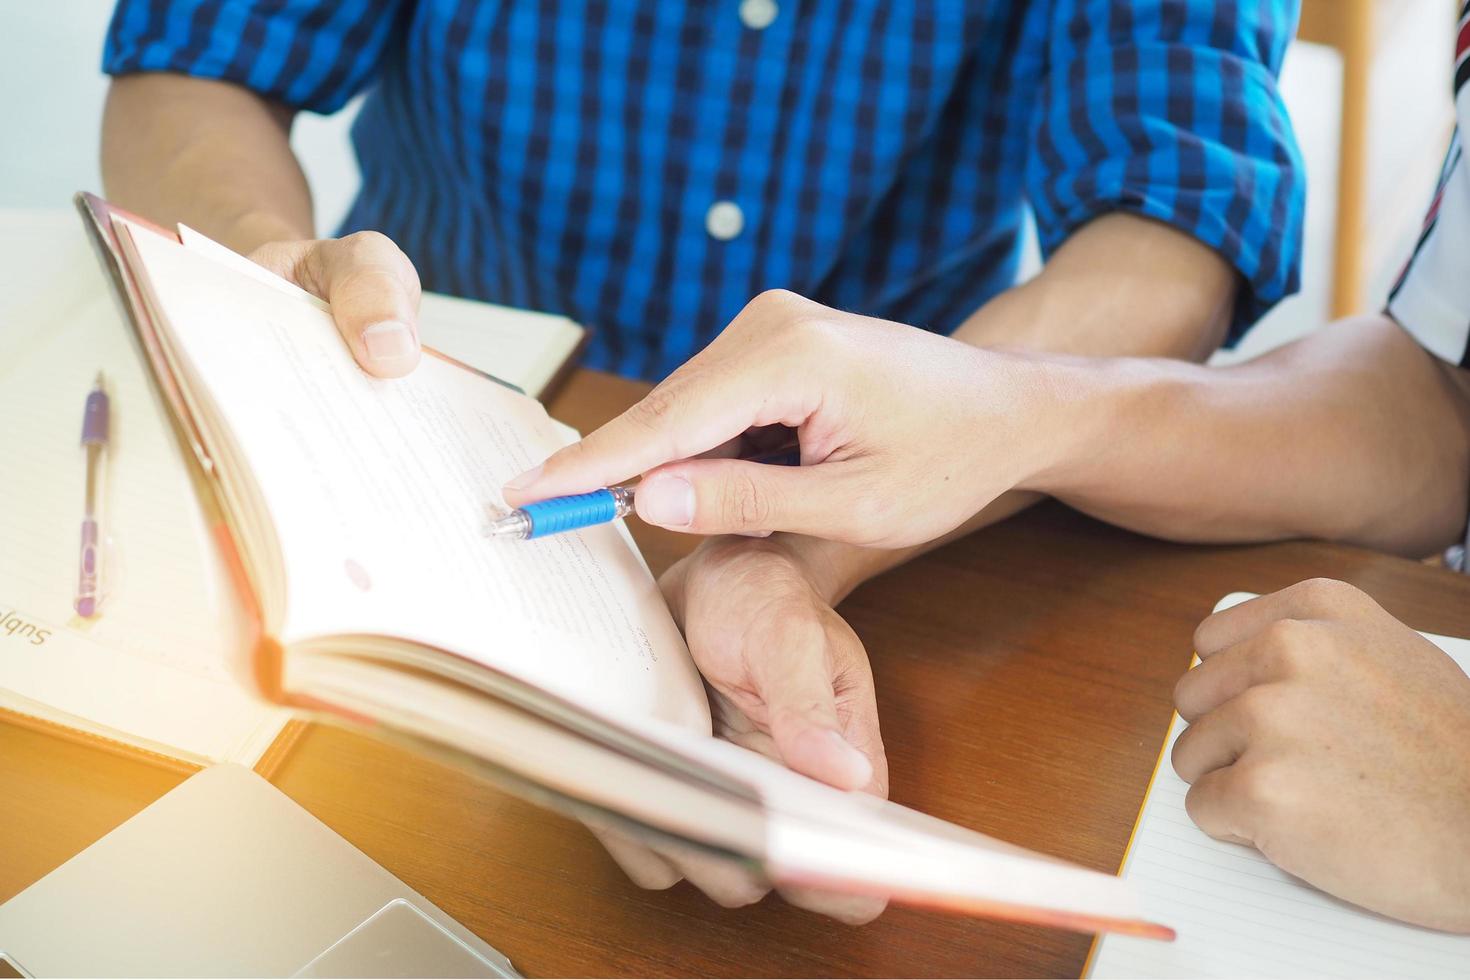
(646, 166)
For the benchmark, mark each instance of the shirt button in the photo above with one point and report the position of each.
(758, 14)
(724, 220)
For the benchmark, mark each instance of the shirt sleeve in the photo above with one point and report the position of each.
(1431, 299)
(1171, 110)
(309, 54)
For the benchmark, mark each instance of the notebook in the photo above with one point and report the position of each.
(1238, 915)
(351, 510)
(163, 671)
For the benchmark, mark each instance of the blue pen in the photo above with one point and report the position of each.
(581, 510)
(564, 514)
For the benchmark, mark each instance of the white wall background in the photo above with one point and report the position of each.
(51, 95)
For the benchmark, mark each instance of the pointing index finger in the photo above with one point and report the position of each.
(688, 414)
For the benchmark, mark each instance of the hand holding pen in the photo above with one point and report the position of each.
(558, 514)
(904, 435)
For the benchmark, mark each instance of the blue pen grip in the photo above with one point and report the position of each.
(569, 513)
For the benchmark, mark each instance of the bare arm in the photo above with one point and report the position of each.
(218, 157)
(208, 153)
(1352, 434)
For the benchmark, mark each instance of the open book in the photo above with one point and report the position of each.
(161, 672)
(352, 509)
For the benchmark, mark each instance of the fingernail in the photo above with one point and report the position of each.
(388, 341)
(667, 501)
(525, 479)
(859, 767)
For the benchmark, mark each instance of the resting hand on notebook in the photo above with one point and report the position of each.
(904, 434)
(1337, 741)
(787, 678)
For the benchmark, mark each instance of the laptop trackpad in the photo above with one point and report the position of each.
(399, 941)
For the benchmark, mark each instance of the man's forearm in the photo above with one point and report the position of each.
(1120, 286)
(1353, 434)
(211, 154)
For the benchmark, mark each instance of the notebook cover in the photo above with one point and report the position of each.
(560, 375)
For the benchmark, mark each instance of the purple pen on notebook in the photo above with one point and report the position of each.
(94, 442)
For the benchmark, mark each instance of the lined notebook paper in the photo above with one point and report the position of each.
(163, 666)
(1238, 915)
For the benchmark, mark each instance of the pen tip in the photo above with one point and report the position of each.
(100, 379)
(512, 525)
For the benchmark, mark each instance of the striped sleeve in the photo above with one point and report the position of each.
(1431, 299)
(1171, 111)
(309, 54)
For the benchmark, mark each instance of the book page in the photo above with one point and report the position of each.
(162, 665)
(1238, 915)
(522, 347)
(380, 490)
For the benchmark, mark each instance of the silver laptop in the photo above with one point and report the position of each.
(226, 876)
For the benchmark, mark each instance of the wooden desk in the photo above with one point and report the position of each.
(1023, 680)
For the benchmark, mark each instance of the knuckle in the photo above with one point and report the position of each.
(376, 251)
(363, 244)
(814, 330)
(776, 300)
(1323, 593)
(1204, 805)
(652, 415)
(1185, 756)
(1202, 634)
(1290, 647)
(1208, 803)
(365, 279)
(1284, 632)
(1194, 807)
(1258, 707)
(1184, 690)
(655, 406)
(280, 257)
(745, 505)
(797, 317)
(1179, 754)
(1261, 787)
